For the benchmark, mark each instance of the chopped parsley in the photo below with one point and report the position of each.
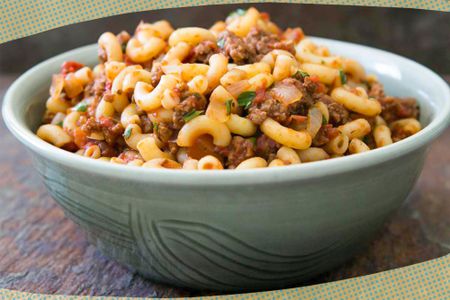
(343, 77)
(300, 73)
(221, 43)
(81, 107)
(60, 123)
(155, 127)
(245, 99)
(197, 95)
(192, 114)
(253, 140)
(366, 139)
(229, 104)
(127, 133)
(324, 120)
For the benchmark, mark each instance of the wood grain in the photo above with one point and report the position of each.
(44, 252)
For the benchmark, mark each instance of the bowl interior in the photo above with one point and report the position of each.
(24, 106)
(398, 78)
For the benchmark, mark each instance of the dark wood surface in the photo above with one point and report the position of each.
(42, 251)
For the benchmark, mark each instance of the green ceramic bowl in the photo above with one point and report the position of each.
(234, 230)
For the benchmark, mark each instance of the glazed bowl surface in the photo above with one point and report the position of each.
(235, 230)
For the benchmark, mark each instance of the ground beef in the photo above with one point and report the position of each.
(173, 147)
(397, 134)
(338, 113)
(308, 88)
(235, 48)
(253, 47)
(146, 124)
(188, 103)
(111, 129)
(397, 108)
(268, 107)
(107, 149)
(266, 147)
(164, 132)
(202, 52)
(324, 135)
(156, 74)
(370, 141)
(239, 150)
(97, 87)
(263, 42)
(376, 91)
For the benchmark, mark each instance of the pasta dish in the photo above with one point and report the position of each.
(241, 94)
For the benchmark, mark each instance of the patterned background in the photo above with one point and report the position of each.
(19, 18)
(429, 280)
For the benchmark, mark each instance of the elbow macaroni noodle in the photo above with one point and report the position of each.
(192, 98)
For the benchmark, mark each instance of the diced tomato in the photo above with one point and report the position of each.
(294, 34)
(321, 88)
(330, 131)
(79, 137)
(314, 78)
(259, 97)
(299, 119)
(70, 66)
(265, 16)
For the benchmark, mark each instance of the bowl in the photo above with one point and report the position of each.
(234, 230)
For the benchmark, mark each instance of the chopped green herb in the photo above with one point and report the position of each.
(237, 12)
(245, 99)
(81, 107)
(299, 74)
(127, 133)
(221, 43)
(253, 140)
(155, 127)
(343, 77)
(229, 104)
(366, 139)
(60, 123)
(192, 114)
(197, 95)
(324, 120)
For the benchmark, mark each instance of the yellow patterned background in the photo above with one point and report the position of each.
(20, 18)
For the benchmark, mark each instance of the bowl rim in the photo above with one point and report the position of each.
(439, 122)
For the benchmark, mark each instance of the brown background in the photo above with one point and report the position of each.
(43, 251)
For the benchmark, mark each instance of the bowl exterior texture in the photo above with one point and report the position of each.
(232, 238)
(235, 230)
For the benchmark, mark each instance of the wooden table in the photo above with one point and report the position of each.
(42, 251)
